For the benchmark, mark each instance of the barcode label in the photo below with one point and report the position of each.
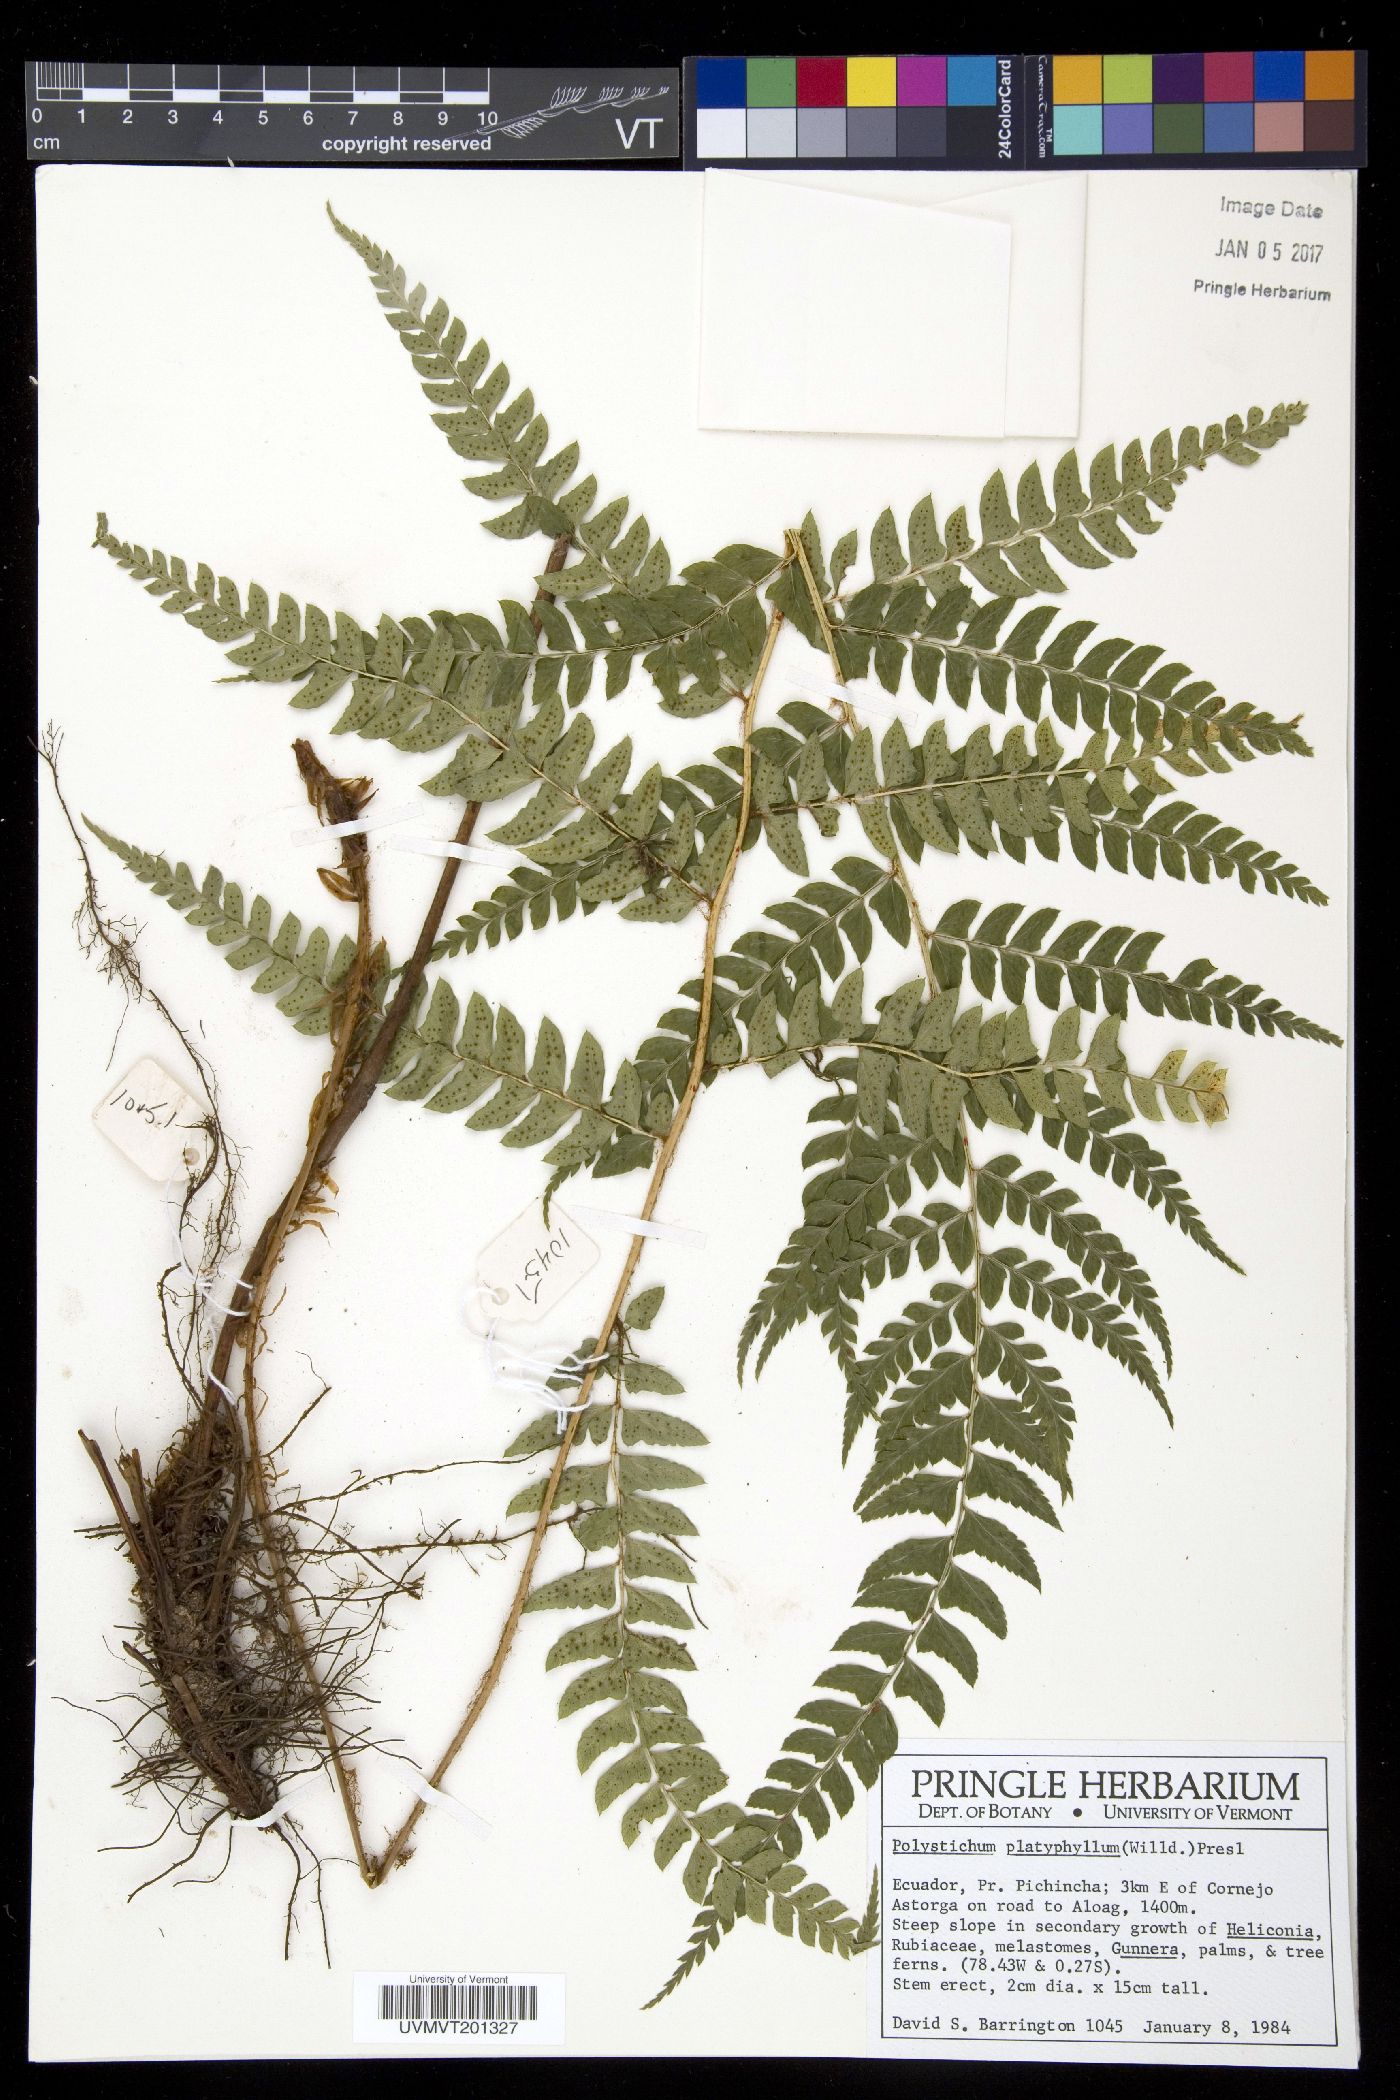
(459, 2001)
(445, 2011)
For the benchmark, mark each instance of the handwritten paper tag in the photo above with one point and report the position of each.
(534, 1263)
(155, 1121)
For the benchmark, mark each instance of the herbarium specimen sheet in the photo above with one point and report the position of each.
(693, 1357)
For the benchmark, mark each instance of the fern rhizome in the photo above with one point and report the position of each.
(1010, 1025)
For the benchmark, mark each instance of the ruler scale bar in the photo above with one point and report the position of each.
(411, 115)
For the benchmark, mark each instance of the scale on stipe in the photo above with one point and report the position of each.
(375, 116)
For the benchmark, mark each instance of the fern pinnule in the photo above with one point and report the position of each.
(1085, 528)
(468, 392)
(304, 973)
(1100, 965)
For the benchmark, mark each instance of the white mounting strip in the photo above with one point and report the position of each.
(640, 1228)
(366, 823)
(278, 1808)
(433, 1797)
(869, 705)
(857, 692)
(823, 688)
(447, 849)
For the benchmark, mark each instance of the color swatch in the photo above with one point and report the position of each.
(957, 110)
(881, 110)
(1195, 104)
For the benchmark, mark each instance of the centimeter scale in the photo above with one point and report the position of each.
(421, 116)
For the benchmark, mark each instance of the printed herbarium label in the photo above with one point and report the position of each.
(1144, 1903)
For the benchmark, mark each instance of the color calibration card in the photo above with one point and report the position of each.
(1297, 106)
(953, 111)
(1089, 109)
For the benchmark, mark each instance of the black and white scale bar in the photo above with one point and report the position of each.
(384, 86)
(353, 116)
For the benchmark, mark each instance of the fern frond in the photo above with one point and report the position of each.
(448, 1056)
(528, 897)
(952, 1308)
(843, 1238)
(419, 684)
(414, 684)
(1104, 965)
(932, 1063)
(1010, 554)
(937, 1061)
(616, 839)
(953, 1445)
(1063, 1304)
(323, 651)
(1004, 798)
(825, 926)
(1185, 843)
(969, 1419)
(956, 644)
(810, 1279)
(709, 1928)
(910, 1338)
(444, 1055)
(469, 396)
(919, 1431)
(630, 1670)
(1032, 1197)
(304, 970)
(1123, 1155)
(870, 1918)
(468, 393)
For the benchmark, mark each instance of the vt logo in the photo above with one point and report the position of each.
(629, 136)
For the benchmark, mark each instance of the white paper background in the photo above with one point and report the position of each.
(214, 374)
(813, 301)
(799, 306)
